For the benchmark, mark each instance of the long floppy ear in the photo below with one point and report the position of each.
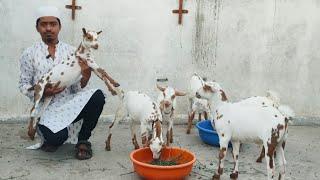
(99, 32)
(223, 94)
(208, 88)
(84, 31)
(161, 88)
(179, 93)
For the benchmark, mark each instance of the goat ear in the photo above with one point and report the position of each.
(204, 79)
(99, 32)
(161, 88)
(179, 93)
(208, 88)
(223, 94)
(84, 31)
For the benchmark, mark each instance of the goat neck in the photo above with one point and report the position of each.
(166, 111)
(215, 101)
(83, 51)
(157, 129)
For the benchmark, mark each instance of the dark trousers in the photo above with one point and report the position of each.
(90, 114)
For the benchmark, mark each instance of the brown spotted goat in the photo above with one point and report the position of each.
(139, 108)
(196, 105)
(67, 73)
(167, 104)
(238, 122)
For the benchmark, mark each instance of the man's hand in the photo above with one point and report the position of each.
(52, 89)
(85, 71)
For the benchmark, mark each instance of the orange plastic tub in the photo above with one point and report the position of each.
(141, 159)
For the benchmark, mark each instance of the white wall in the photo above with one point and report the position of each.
(249, 46)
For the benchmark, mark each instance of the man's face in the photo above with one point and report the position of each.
(49, 28)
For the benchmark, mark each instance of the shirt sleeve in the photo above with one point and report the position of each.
(26, 80)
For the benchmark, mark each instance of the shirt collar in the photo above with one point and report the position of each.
(44, 47)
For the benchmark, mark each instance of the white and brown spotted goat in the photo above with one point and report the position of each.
(139, 108)
(67, 73)
(238, 122)
(167, 103)
(271, 99)
(196, 105)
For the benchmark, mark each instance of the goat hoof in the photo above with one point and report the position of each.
(31, 134)
(108, 148)
(259, 160)
(216, 177)
(113, 93)
(234, 175)
(188, 131)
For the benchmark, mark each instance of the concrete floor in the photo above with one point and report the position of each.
(302, 154)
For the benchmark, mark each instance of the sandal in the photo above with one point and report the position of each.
(83, 150)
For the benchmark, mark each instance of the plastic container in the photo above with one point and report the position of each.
(141, 159)
(207, 134)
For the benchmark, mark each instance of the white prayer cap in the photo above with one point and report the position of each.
(47, 11)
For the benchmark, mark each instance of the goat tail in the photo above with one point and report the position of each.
(286, 111)
(273, 96)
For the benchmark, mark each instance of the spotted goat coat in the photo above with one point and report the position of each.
(167, 103)
(196, 105)
(139, 108)
(238, 122)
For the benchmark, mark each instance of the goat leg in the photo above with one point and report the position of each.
(135, 142)
(262, 153)
(31, 129)
(171, 135)
(110, 88)
(102, 74)
(106, 75)
(205, 115)
(190, 118)
(108, 147)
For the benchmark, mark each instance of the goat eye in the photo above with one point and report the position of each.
(89, 38)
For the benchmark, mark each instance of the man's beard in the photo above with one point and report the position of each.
(49, 38)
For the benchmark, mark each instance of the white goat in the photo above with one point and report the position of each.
(167, 103)
(139, 107)
(67, 73)
(245, 123)
(196, 105)
(272, 100)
